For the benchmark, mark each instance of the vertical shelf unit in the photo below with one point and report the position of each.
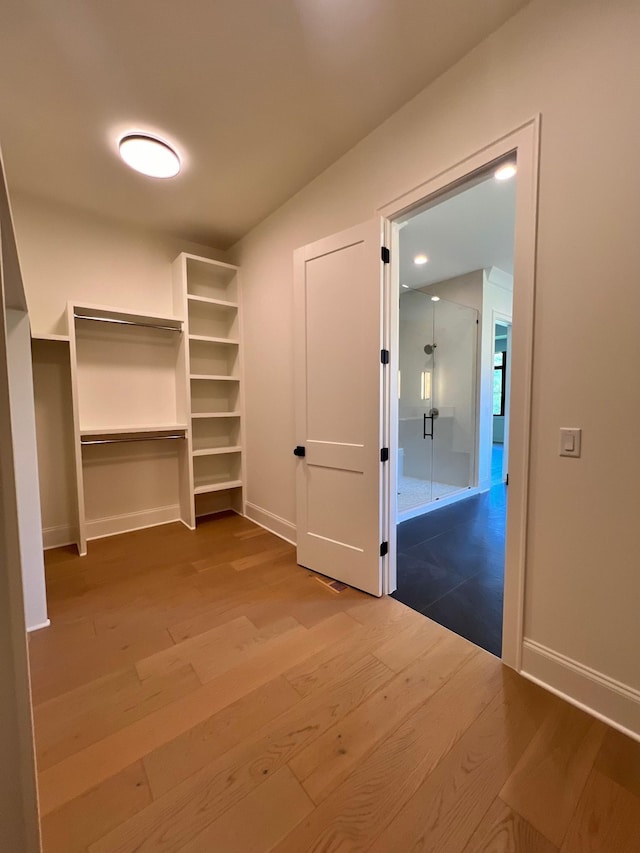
(207, 295)
(131, 430)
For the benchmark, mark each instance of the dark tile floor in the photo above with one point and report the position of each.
(451, 565)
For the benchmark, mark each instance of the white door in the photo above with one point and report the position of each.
(339, 305)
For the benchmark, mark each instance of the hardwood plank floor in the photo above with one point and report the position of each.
(198, 691)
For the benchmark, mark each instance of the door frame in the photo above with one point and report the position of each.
(524, 142)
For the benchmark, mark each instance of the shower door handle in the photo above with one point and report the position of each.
(426, 434)
(433, 413)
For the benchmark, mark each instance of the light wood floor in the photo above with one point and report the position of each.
(200, 692)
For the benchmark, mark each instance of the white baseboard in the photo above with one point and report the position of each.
(273, 523)
(605, 698)
(101, 527)
(38, 627)
(56, 537)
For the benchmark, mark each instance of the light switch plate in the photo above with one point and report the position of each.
(570, 441)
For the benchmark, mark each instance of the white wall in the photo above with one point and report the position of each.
(67, 254)
(574, 62)
(463, 289)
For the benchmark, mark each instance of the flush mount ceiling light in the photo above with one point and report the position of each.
(406, 285)
(435, 299)
(504, 172)
(420, 259)
(149, 155)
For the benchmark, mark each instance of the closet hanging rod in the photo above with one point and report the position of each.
(127, 322)
(83, 441)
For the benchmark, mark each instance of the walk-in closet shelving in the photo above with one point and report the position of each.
(207, 294)
(131, 427)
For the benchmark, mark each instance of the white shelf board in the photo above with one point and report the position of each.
(105, 312)
(214, 377)
(209, 340)
(215, 414)
(221, 303)
(51, 337)
(126, 430)
(210, 261)
(217, 487)
(216, 451)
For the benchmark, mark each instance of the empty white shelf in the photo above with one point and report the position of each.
(114, 315)
(209, 296)
(215, 451)
(214, 377)
(131, 430)
(215, 414)
(51, 337)
(217, 487)
(210, 340)
(222, 303)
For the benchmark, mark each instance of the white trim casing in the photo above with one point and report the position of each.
(100, 527)
(524, 142)
(605, 698)
(389, 474)
(80, 535)
(31, 628)
(58, 536)
(271, 522)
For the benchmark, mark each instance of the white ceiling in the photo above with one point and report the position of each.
(470, 231)
(258, 95)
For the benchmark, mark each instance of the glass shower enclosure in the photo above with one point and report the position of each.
(437, 405)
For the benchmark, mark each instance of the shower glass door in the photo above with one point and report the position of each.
(415, 388)
(437, 400)
(454, 398)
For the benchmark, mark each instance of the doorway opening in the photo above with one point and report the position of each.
(456, 263)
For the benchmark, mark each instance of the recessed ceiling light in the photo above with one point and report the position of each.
(435, 299)
(504, 172)
(149, 155)
(406, 285)
(420, 259)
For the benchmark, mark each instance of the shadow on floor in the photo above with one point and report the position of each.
(451, 566)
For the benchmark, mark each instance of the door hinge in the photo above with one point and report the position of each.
(384, 549)
(384, 454)
(299, 451)
(385, 254)
(384, 356)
